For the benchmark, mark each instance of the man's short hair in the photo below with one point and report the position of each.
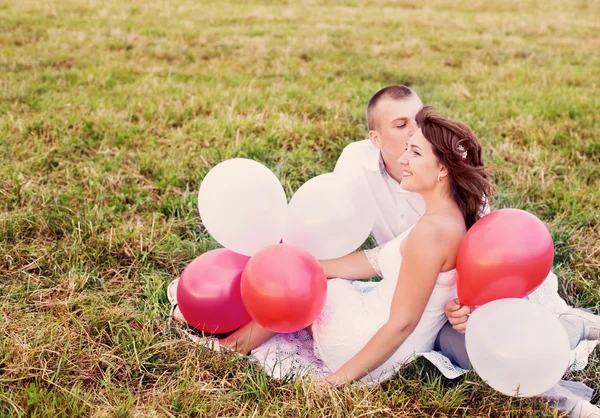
(395, 92)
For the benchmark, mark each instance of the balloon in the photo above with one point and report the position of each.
(516, 345)
(506, 254)
(243, 205)
(283, 288)
(208, 293)
(329, 217)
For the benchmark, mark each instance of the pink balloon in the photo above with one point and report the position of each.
(208, 293)
(506, 254)
(284, 288)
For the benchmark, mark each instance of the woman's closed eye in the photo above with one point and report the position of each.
(415, 152)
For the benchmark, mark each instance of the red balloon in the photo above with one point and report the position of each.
(283, 288)
(506, 254)
(208, 293)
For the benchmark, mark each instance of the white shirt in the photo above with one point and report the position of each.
(396, 209)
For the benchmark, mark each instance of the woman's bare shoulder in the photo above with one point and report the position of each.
(438, 230)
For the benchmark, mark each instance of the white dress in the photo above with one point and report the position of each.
(293, 354)
(351, 318)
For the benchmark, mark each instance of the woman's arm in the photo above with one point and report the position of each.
(425, 253)
(353, 266)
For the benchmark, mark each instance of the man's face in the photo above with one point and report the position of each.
(395, 123)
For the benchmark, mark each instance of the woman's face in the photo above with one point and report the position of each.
(420, 165)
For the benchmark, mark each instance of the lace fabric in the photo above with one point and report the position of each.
(290, 355)
(373, 257)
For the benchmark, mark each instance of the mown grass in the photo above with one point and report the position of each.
(113, 112)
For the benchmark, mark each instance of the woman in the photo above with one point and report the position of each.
(366, 336)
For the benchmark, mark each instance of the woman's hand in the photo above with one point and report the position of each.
(458, 315)
(329, 382)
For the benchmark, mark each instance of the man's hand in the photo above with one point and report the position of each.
(458, 315)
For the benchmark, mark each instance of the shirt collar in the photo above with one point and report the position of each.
(387, 177)
(382, 169)
(374, 162)
(377, 164)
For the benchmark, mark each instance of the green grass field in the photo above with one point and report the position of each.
(112, 112)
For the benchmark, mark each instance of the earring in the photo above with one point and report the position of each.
(439, 177)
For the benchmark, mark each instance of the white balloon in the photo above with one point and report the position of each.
(243, 205)
(517, 346)
(329, 217)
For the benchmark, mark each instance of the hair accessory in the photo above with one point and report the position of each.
(463, 152)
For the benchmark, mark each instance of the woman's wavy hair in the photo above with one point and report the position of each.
(459, 150)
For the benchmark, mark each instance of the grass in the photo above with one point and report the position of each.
(112, 112)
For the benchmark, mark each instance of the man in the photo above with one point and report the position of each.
(374, 163)
(391, 121)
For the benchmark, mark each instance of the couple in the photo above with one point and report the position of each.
(419, 227)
